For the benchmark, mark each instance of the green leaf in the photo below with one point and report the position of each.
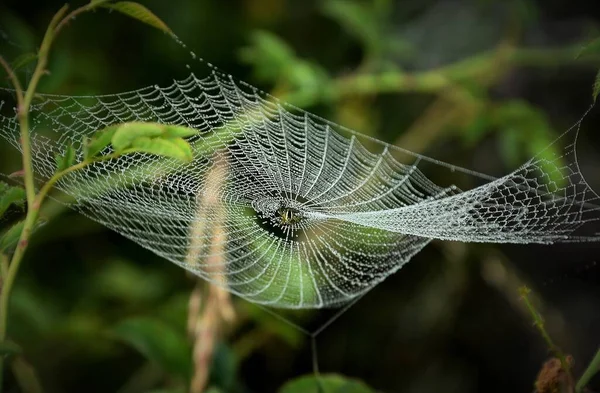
(127, 133)
(9, 348)
(330, 383)
(99, 2)
(158, 342)
(184, 146)
(172, 131)
(9, 238)
(99, 141)
(596, 89)
(9, 196)
(22, 60)
(593, 47)
(174, 148)
(139, 12)
(66, 160)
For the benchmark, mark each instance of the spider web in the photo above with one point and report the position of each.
(284, 208)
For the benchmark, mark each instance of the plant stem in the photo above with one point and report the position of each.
(23, 111)
(589, 372)
(538, 321)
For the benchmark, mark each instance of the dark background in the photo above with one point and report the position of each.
(450, 320)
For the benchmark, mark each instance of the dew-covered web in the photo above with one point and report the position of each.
(284, 208)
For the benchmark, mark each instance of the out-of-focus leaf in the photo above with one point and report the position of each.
(174, 148)
(593, 47)
(525, 132)
(158, 342)
(274, 61)
(510, 147)
(359, 19)
(22, 60)
(127, 283)
(26, 376)
(269, 55)
(139, 12)
(330, 383)
(596, 89)
(9, 348)
(477, 129)
(282, 330)
(99, 141)
(224, 367)
(9, 238)
(66, 160)
(9, 196)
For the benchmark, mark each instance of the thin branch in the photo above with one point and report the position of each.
(13, 79)
(538, 321)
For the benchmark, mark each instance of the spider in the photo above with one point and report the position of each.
(289, 216)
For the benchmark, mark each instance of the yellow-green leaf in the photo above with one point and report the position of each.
(162, 147)
(184, 146)
(139, 12)
(127, 133)
(99, 141)
(179, 131)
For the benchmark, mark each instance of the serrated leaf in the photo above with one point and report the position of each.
(9, 196)
(99, 141)
(331, 383)
(9, 238)
(66, 160)
(22, 60)
(173, 148)
(596, 89)
(172, 131)
(593, 47)
(127, 133)
(158, 342)
(139, 12)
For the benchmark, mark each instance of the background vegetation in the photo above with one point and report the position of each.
(95, 313)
